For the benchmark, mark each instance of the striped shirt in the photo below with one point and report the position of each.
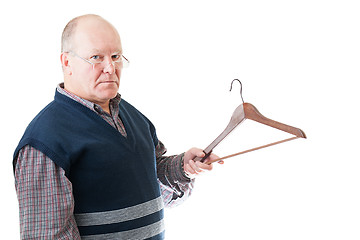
(45, 196)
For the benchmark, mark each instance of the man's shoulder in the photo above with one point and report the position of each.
(49, 114)
(126, 106)
(53, 119)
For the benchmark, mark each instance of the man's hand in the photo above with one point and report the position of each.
(194, 168)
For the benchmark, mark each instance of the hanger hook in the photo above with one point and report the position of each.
(240, 88)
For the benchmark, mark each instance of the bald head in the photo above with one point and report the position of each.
(84, 21)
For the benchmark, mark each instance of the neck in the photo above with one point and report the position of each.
(105, 106)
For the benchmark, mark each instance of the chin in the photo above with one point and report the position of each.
(115, 92)
(110, 94)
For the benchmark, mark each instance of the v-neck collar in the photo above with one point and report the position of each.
(129, 140)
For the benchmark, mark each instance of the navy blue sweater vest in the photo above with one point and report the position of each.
(114, 178)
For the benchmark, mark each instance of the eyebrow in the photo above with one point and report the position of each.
(95, 50)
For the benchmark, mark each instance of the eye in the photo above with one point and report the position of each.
(116, 57)
(95, 57)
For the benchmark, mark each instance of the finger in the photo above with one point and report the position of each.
(189, 170)
(194, 152)
(198, 152)
(195, 166)
(213, 156)
(204, 166)
(210, 161)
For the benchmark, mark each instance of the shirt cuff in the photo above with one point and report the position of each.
(178, 166)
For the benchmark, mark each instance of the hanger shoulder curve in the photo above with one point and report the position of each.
(252, 113)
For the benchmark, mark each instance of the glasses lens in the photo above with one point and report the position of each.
(97, 60)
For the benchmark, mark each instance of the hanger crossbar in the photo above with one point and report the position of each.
(252, 149)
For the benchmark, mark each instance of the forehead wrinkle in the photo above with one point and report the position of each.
(97, 51)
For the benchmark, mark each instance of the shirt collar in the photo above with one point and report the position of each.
(114, 102)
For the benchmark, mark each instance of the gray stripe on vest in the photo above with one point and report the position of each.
(135, 234)
(121, 215)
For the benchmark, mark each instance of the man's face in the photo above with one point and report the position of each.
(95, 40)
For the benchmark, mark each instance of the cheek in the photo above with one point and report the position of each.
(90, 76)
(118, 73)
(83, 73)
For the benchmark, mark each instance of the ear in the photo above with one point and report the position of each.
(64, 58)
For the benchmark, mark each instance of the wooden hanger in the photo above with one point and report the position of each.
(249, 111)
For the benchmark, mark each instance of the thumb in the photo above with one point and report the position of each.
(194, 152)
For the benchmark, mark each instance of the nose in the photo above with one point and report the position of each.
(110, 68)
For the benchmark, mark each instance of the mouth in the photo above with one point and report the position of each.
(108, 82)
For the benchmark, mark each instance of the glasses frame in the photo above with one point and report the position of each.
(127, 62)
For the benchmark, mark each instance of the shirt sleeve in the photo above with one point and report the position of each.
(175, 186)
(45, 197)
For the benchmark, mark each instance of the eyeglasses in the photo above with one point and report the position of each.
(97, 60)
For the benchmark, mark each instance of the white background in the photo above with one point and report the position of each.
(298, 62)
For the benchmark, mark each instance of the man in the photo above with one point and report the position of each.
(90, 165)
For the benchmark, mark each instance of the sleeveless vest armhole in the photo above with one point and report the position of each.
(45, 150)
